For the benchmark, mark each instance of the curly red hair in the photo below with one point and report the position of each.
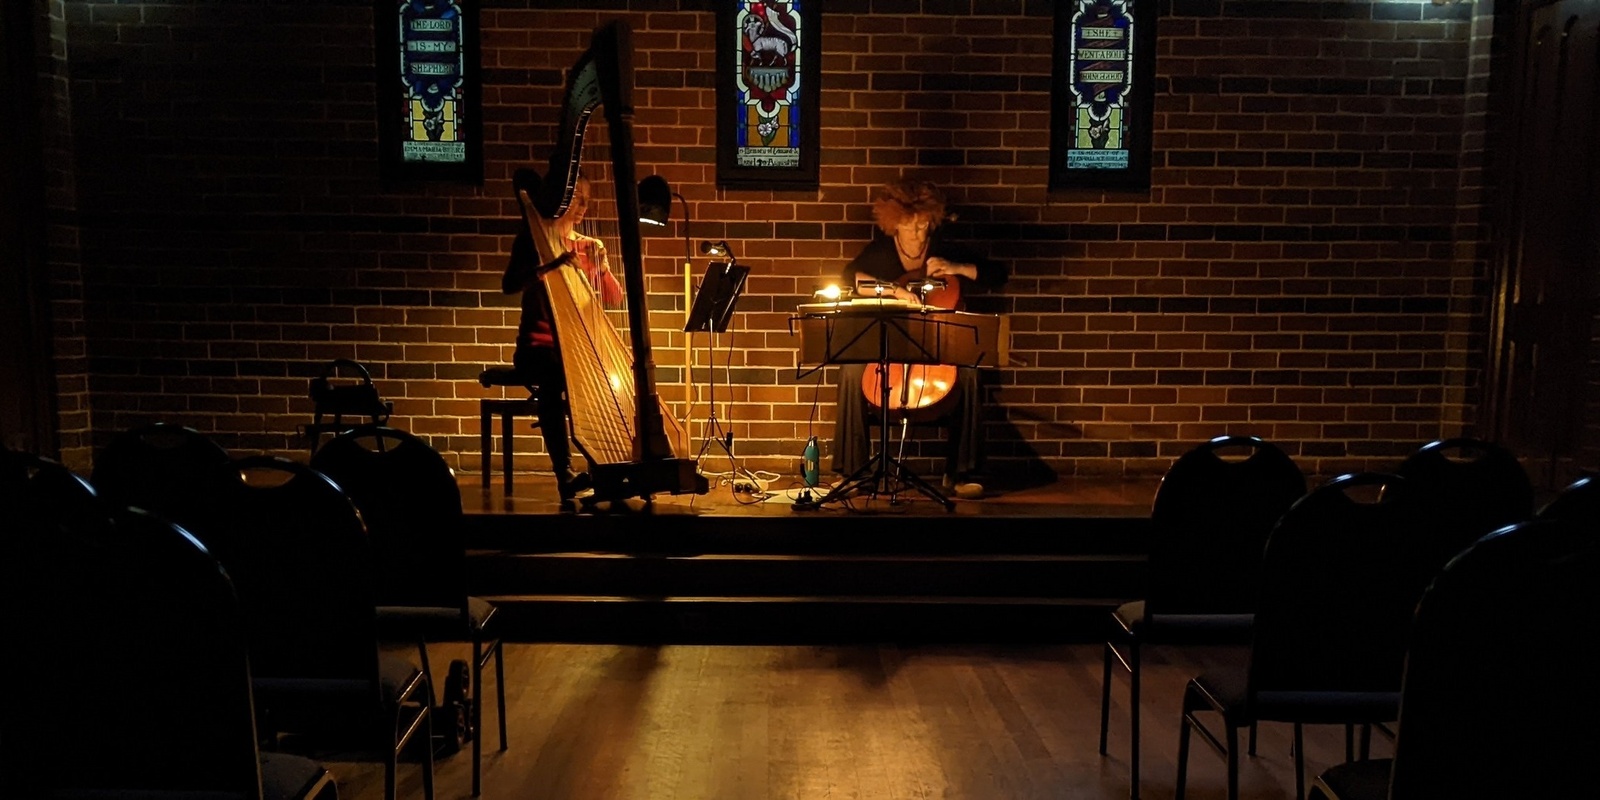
(904, 199)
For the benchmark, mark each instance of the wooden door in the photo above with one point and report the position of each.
(1546, 294)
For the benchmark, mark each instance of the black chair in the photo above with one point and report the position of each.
(31, 484)
(298, 553)
(157, 702)
(1579, 502)
(1466, 488)
(343, 396)
(1210, 523)
(1339, 581)
(411, 504)
(1497, 701)
(162, 468)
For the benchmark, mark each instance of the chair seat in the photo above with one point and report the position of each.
(1225, 691)
(290, 777)
(436, 623)
(504, 376)
(1356, 780)
(1182, 628)
(397, 678)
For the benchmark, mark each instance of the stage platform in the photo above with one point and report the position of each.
(1044, 563)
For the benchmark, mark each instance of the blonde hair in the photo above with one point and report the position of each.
(894, 203)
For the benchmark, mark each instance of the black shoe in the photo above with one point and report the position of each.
(570, 484)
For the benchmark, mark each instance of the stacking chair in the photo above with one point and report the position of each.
(156, 699)
(1497, 703)
(343, 396)
(35, 484)
(1210, 523)
(1579, 502)
(1466, 488)
(162, 468)
(1339, 581)
(298, 553)
(411, 504)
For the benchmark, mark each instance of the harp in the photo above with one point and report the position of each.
(634, 448)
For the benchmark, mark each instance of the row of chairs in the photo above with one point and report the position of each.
(320, 578)
(1321, 585)
(146, 684)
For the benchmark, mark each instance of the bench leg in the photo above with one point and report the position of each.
(485, 448)
(505, 442)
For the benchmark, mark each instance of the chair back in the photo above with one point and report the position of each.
(344, 388)
(1338, 586)
(1467, 488)
(156, 694)
(1500, 698)
(1210, 523)
(1579, 502)
(297, 551)
(411, 505)
(36, 490)
(162, 468)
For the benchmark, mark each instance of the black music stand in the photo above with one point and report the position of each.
(719, 289)
(711, 312)
(896, 343)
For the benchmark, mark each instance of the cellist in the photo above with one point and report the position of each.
(910, 215)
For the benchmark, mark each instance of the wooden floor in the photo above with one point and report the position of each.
(682, 721)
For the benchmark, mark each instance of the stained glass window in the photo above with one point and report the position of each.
(767, 92)
(430, 128)
(1101, 114)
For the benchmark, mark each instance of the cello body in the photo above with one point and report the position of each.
(919, 393)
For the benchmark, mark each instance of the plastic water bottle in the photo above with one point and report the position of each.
(808, 467)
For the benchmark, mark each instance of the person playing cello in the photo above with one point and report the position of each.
(910, 214)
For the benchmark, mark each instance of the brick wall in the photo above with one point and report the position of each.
(66, 266)
(1303, 269)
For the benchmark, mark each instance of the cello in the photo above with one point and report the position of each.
(919, 393)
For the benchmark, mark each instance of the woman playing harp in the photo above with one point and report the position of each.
(618, 423)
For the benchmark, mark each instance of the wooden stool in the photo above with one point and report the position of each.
(508, 409)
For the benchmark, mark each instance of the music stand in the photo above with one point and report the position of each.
(899, 339)
(719, 289)
(711, 312)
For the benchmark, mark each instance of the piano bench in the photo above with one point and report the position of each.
(507, 409)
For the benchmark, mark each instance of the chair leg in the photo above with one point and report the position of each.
(485, 447)
(1366, 742)
(1349, 741)
(1183, 755)
(500, 687)
(422, 655)
(427, 746)
(477, 716)
(1232, 734)
(506, 446)
(1299, 761)
(1253, 739)
(1133, 719)
(390, 764)
(1105, 697)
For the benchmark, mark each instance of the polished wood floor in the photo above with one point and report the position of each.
(603, 721)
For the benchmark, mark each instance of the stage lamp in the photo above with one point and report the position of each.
(830, 292)
(655, 201)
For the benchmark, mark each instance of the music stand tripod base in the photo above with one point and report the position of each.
(877, 473)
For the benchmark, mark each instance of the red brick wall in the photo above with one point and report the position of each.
(1303, 268)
